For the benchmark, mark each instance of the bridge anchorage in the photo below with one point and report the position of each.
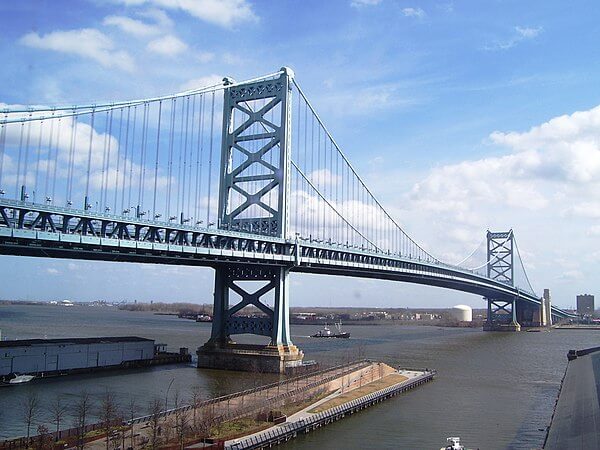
(134, 181)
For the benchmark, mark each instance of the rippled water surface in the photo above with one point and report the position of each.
(495, 390)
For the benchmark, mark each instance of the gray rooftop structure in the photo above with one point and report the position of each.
(48, 356)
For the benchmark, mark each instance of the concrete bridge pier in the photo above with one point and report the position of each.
(255, 286)
(501, 315)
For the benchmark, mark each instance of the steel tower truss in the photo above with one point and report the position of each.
(253, 198)
(500, 267)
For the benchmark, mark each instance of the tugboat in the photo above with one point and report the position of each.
(453, 443)
(327, 333)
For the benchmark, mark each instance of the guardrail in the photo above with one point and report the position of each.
(350, 367)
(284, 433)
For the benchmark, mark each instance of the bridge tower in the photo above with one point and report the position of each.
(501, 312)
(253, 198)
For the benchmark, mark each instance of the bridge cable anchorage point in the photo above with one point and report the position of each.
(288, 71)
(227, 81)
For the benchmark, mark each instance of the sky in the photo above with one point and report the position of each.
(461, 116)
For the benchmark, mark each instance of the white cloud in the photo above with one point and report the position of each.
(361, 3)
(556, 160)
(519, 34)
(52, 271)
(594, 230)
(86, 42)
(168, 45)
(197, 83)
(157, 15)
(132, 26)
(528, 33)
(225, 13)
(413, 12)
(323, 177)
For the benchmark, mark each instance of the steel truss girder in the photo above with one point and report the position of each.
(30, 217)
(307, 257)
(500, 256)
(275, 324)
(273, 219)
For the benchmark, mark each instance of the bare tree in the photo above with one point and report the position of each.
(196, 400)
(154, 410)
(206, 422)
(132, 409)
(107, 414)
(43, 441)
(30, 409)
(181, 423)
(82, 411)
(57, 412)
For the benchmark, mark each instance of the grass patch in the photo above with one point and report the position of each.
(239, 427)
(366, 389)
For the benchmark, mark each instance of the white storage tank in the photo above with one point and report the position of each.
(462, 313)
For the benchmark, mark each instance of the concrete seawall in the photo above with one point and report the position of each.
(283, 433)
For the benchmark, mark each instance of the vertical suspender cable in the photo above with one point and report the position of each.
(156, 161)
(17, 187)
(132, 158)
(50, 151)
(190, 212)
(71, 158)
(118, 160)
(180, 159)
(185, 145)
(123, 207)
(102, 173)
(26, 151)
(200, 157)
(2, 147)
(142, 174)
(36, 184)
(55, 167)
(210, 155)
(170, 163)
(110, 139)
(89, 161)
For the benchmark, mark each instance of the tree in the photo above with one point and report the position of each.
(30, 409)
(132, 409)
(82, 411)
(181, 424)
(57, 412)
(108, 411)
(196, 400)
(154, 410)
(43, 441)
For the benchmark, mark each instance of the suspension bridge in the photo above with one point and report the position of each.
(243, 177)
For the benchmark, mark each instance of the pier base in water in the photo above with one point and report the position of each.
(492, 326)
(250, 358)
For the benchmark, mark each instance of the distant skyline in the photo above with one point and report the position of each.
(460, 116)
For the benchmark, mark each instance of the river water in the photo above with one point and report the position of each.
(494, 390)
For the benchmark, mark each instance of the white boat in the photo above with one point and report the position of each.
(20, 379)
(453, 443)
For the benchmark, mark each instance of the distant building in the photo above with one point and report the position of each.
(462, 313)
(585, 305)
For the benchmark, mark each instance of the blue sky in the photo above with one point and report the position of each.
(461, 115)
